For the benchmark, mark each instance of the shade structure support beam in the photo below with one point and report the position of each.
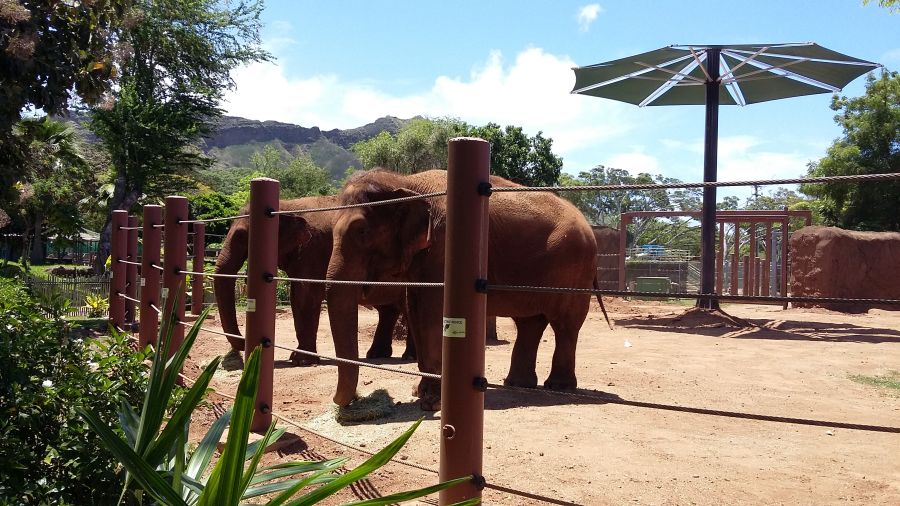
(710, 159)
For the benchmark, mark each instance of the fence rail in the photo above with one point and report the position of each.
(75, 290)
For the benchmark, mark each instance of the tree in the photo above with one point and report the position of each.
(422, 145)
(50, 52)
(870, 145)
(515, 156)
(893, 6)
(171, 82)
(54, 179)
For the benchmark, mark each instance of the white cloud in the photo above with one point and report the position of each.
(587, 15)
(531, 92)
(634, 162)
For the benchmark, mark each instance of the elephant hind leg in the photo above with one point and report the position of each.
(562, 372)
(306, 306)
(524, 355)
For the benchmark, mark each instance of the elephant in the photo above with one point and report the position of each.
(607, 239)
(534, 239)
(304, 248)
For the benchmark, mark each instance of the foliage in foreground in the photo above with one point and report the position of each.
(160, 464)
(47, 453)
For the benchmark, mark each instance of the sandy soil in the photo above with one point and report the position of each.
(639, 450)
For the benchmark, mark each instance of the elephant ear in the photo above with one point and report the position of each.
(293, 233)
(414, 219)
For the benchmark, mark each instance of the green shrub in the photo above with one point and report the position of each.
(47, 453)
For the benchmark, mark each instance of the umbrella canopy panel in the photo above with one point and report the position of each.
(749, 73)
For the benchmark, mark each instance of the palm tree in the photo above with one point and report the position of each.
(53, 170)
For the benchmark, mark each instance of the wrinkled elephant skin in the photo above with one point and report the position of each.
(535, 239)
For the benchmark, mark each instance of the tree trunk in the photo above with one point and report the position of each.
(37, 242)
(122, 198)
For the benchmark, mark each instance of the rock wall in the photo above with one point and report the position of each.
(832, 262)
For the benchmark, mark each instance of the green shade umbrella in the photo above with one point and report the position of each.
(711, 75)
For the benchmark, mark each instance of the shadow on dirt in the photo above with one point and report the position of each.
(787, 330)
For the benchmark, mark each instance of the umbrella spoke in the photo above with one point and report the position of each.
(804, 58)
(700, 61)
(732, 86)
(631, 75)
(780, 71)
(743, 60)
(673, 81)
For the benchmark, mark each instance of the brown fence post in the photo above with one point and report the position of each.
(465, 306)
(131, 270)
(770, 260)
(735, 263)
(785, 263)
(197, 281)
(720, 259)
(174, 262)
(624, 220)
(150, 236)
(118, 250)
(262, 265)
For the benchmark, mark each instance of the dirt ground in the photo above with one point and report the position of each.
(547, 449)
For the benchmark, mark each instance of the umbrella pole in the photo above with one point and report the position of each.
(708, 219)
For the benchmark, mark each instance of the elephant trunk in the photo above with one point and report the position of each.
(344, 319)
(229, 261)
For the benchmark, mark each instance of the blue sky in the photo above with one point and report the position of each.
(343, 64)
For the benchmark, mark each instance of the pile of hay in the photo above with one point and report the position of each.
(377, 404)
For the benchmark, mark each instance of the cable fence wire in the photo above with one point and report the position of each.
(240, 275)
(123, 296)
(682, 295)
(210, 220)
(614, 399)
(359, 283)
(129, 262)
(363, 204)
(362, 364)
(706, 184)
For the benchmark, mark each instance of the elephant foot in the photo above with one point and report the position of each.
(409, 354)
(561, 383)
(303, 360)
(380, 352)
(233, 361)
(429, 393)
(521, 380)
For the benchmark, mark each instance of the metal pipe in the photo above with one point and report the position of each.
(785, 225)
(751, 281)
(624, 220)
(149, 324)
(262, 267)
(131, 270)
(462, 400)
(174, 259)
(118, 250)
(710, 159)
(769, 260)
(736, 260)
(197, 295)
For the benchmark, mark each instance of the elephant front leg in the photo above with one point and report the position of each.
(306, 305)
(381, 341)
(524, 356)
(425, 308)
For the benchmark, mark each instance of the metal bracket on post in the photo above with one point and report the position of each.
(480, 383)
(481, 285)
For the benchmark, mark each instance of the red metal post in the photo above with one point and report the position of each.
(131, 270)
(262, 265)
(150, 236)
(462, 402)
(746, 283)
(197, 281)
(118, 250)
(752, 280)
(784, 259)
(624, 220)
(720, 259)
(174, 263)
(735, 262)
(770, 259)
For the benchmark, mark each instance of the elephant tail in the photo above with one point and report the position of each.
(602, 307)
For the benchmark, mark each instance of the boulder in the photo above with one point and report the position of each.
(833, 262)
